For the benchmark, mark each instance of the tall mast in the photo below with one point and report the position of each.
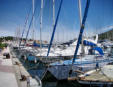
(80, 12)
(18, 35)
(53, 13)
(54, 29)
(26, 21)
(81, 30)
(41, 13)
(33, 6)
(80, 16)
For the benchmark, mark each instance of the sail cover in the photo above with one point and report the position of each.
(35, 44)
(38, 45)
(88, 43)
(99, 50)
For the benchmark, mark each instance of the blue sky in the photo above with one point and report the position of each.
(13, 13)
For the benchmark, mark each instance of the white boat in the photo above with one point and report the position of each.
(61, 69)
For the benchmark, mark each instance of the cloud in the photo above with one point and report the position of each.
(8, 31)
(106, 28)
(5, 32)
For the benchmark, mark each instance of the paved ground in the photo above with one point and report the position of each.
(7, 75)
(10, 73)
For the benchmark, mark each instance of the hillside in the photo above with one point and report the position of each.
(106, 35)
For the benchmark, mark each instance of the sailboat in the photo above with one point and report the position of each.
(61, 70)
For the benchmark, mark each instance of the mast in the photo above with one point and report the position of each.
(80, 16)
(54, 28)
(41, 13)
(26, 21)
(80, 12)
(29, 26)
(18, 35)
(53, 13)
(33, 6)
(81, 30)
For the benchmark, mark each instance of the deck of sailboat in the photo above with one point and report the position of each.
(96, 77)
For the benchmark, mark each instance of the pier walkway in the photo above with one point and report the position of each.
(7, 74)
(13, 73)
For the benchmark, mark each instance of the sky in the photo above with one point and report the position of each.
(14, 12)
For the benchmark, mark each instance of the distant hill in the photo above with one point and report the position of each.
(6, 38)
(106, 35)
